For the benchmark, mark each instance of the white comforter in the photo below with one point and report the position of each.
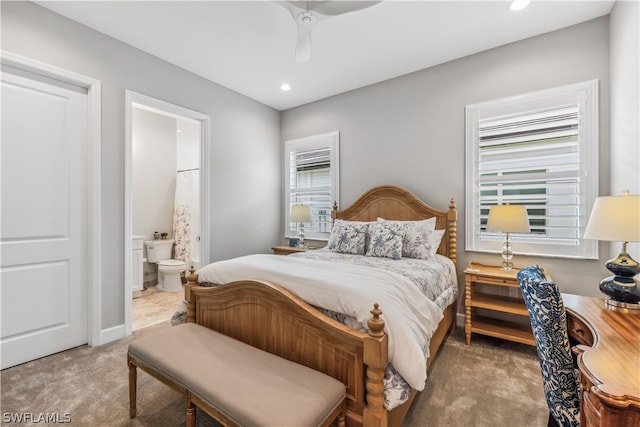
(410, 317)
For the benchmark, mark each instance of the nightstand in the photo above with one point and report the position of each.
(286, 250)
(491, 290)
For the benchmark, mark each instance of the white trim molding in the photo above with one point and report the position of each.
(138, 100)
(539, 150)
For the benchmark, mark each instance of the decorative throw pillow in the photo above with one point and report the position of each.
(414, 243)
(386, 240)
(348, 237)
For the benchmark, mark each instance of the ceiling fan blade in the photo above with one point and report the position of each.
(306, 14)
(291, 6)
(337, 7)
(326, 7)
(303, 44)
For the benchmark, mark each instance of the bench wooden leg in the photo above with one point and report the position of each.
(133, 383)
(191, 412)
(342, 415)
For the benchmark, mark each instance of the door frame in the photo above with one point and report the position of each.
(163, 107)
(94, 174)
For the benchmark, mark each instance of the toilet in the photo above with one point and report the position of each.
(159, 252)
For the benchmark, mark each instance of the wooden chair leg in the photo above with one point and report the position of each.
(133, 383)
(191, 412)
(342, 414)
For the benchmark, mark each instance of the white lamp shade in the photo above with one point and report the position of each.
(508, 219)
(300, 213)
(615, 219)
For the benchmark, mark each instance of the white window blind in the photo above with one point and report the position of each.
(538, 150)
(312, 179)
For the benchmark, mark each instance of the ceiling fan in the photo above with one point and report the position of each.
(309, 13)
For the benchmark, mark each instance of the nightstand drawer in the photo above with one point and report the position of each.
(496, 281)
(579, 331)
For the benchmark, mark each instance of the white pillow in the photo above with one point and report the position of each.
(429, 223)
(433, 243)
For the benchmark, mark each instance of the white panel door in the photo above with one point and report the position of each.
(43, 272)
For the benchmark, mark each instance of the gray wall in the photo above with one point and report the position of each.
(409, 131)
(154, 166)
(245, 159)
(624, 60)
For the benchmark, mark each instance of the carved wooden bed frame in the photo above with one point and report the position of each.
(269, 317)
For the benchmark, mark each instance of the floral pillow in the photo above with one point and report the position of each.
(416, 238)
(348, 237)
(422, 244)
(386, 239)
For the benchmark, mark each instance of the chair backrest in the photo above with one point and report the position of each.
(549, 324)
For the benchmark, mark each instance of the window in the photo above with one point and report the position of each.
(539, 150)
(311, 178)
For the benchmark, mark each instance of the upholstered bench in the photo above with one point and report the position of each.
(235, 383)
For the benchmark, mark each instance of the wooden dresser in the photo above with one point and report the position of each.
(609, 361)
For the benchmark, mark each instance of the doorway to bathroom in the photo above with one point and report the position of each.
(166, 206)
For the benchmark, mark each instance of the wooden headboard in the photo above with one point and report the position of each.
(395, 203)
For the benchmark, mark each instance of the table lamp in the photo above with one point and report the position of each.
(508, 219)
(301, 214)
(617, 219)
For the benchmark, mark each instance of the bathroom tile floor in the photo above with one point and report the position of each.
(154, 306)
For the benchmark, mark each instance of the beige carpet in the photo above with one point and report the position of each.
(491, 383)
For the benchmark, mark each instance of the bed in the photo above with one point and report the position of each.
(264, 313)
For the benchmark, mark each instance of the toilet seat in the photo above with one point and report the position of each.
(171, 263)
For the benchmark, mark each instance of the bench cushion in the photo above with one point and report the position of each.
(248, 385)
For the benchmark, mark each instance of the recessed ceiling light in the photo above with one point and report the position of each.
(285, 87)
(518, 5)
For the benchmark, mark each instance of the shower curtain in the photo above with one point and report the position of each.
(185, 202)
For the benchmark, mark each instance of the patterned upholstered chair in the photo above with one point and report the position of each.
(549, 324)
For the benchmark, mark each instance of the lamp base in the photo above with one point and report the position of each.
(612, 304)
(507, 266)
(507, 254)
(621, 291)
(621, 288)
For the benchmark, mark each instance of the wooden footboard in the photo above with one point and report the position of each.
(273, 319)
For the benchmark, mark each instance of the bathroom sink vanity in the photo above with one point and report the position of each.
(137, 266)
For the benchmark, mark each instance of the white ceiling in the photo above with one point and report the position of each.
(248, 46)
